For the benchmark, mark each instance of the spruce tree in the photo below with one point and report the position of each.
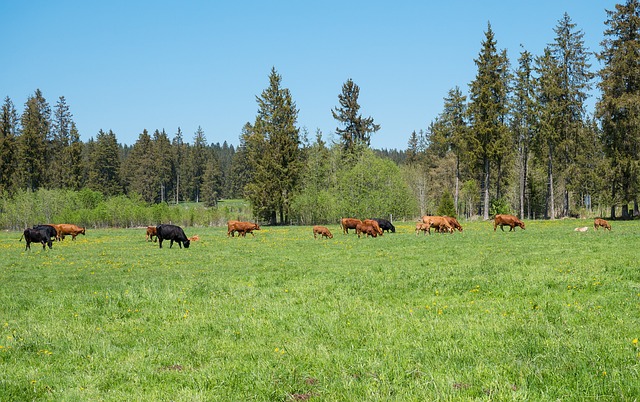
(356, 131)
(9, 129)
(33, 154)
(179, 157)
(196, 164)
(73, 157)
(104, 165)
(619, 107)
(59, 171)
(139, 169)
(162, 164)
(212, 181)
(487, 111)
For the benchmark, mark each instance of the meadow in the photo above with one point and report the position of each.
(541, 314)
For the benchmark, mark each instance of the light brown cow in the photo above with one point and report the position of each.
(68, 229)
(373, 223)
(349, 223)
(454, 223)
(422, 227)
(242, 228)
(368, 230)
(151, 233)
(322, 231)
(439, 223)
(507, 220)
(601, 223)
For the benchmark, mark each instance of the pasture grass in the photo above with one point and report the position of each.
(541, 314)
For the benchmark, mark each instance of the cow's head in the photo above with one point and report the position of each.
(186, 243)
(330, 235)
(256, 227)
(83, 230)
(521, 224)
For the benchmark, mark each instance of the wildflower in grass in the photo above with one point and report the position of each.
(635, 342)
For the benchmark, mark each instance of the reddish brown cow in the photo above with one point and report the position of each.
(349, 223)
(373, 223)
(439, 223)
(507, 220)
(322, 231)
(368, 230)
(454, 223)
(68, 229)
(601, 223)
(241, 227)
(151, 233)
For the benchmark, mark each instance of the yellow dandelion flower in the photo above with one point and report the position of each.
(635, 341)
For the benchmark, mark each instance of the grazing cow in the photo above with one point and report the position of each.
(36, 236)
(173, 233)
(385, 225)
(51, 231)
(322, 231)
(151, 233)
(69, 229)
(242, 228)
(601, 222)
(375, 225)
(349, 223)
(368, 230)
(454, 223)
(422, 227)
(439, 223)
(507, 220)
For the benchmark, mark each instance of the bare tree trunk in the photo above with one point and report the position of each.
(485, 180)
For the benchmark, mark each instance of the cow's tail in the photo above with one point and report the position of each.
(21, 237)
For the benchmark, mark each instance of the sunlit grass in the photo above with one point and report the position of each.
(541, 314)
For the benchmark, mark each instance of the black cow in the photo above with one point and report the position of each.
(36, 236)
(385, 225)
(173, 233)
(50, 230)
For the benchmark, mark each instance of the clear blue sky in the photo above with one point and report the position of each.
(130, 65)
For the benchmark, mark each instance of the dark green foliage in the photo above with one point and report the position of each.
(139, 169)
(33, 157)
(500, 206)
(357, 130)
(212, 182)
(59, 171)
(8, 142)
(446, 206)
(104, 165)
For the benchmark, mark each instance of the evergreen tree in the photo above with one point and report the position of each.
(274, 150)
(487, 111)
(212, 181)
(524, 121)
(357, 130)
(619, 107)
(33, 155)
(196, 165)
(73, 157)
(575, 82)
(179, 156)
(104, 165)
(139, 169)
(163, 164)
(60, 168)
(241, 166)
(9, 129)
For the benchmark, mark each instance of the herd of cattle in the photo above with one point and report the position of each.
(45, 234)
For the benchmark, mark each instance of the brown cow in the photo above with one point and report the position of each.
(601, 222)
(439, 223)
(349, 223)
(368, 230)
(322, 231)
(242, 228)
(151, 233)
(422, 227)
(373, 223)
(454, 223)
(507, 220)
(68, 229)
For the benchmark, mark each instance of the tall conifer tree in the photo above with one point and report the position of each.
(32, 144)
(356, 131)
(9, 129)
(104, 165)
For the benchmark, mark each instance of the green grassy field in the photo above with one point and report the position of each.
(542, 314)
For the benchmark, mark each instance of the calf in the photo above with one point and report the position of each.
(151, 233)
(173, 233)
(385, 225)
(36, 236)
(601, 223)
(422, 227)
(507, 220)
(375, 225)
(322, 231)
(349, 223)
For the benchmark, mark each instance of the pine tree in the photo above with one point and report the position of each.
(139, 169)
(178, 172)
(524, 121)
(163, 164)
(241, 166)
(196, 165)
(9, 129)
(619, 107)
(575, 83)
(32, 143)
(487, 111)
(73, 157)
(59, 170)
(212, 181)
(274, 150)
(357, 130)
(104, 165)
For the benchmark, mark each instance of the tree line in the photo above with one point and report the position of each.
(520, 140)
